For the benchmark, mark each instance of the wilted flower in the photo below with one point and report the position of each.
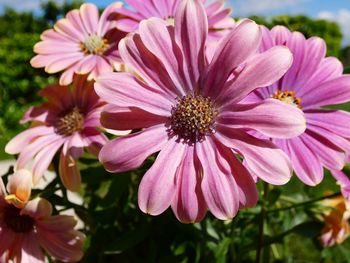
(219, 18)
(81, 43)
(312, 82)
(27, 227)
(336, 228)
(190, 112)
(68, 122)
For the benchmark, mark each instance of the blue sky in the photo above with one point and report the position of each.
(336, 10)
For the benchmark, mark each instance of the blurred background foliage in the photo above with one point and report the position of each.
(116, 229)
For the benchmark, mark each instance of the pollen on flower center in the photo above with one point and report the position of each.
(94, 44)
(170, 20)
(192, 118)
(16, 222)
(70, 123)
(287, 97)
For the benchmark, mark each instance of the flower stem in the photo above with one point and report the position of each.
(261, 223)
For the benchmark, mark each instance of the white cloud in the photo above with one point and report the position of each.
(24, 5)
(265, 7)
(342, 17)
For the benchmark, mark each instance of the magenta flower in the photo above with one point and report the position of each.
(80, 43)
(313, 81)
(218, 16)
(190, 112)
(70, 118)
(27, 227)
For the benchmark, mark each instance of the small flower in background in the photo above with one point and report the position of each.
(219, 18)
(312, 82)
(27, 226)
(190, 112)
(81, 43)
(336, 228)
(68, 122)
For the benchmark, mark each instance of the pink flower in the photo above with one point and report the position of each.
(28, 226)
(190, 112)
(312, 82)
(70, 118)
(219, 19)
(80, 43)
(344, 182)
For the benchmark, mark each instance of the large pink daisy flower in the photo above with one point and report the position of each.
(218, 16)
(80, 43)
(313, 81)
(68, 122)
(27, 226)
(190, 112)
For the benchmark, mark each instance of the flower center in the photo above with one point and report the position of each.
(70, 123)
(17, 222)
(193, 118)
(94, 44)
(287, 97)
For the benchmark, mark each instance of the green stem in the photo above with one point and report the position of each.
(304, 203)
(261, 224)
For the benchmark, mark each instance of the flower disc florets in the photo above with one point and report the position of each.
(193, 118)
(70, 123)
(16, 222)
(95, 45)
(287, 97)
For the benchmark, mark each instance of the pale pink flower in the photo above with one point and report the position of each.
(68, 122)
(27, 227)
(81, 43)
(219, 20)
(190, 111)
(313, 81)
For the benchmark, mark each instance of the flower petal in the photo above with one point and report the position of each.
(271, 117)
(20, 185)
(129, 152)
(38, 208)
(262, 157)
(188, 204)
(157, 187)
(218, 185)
(69, 172)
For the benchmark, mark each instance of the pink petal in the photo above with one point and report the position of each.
(62, 62)
(69, 172)
(6, 240)
(117, 118)
(157, 188)
(66, 28)
(218, 185)
(188, 204)
(263, 158)
(271, 117)
(17, 143)
(106, 20)
(129, 152)
(31, 251)
(89, 16)
(333, 91)
(232, 50)
(38, 208)
(305, 163)
(280, 34)
(335, 121)
(261, 70)
(191, 29)
(20, 184)
(146, 65)
(124, 90)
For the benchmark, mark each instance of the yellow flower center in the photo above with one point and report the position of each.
(287, 97)
(70, 123)
(16, 222)
(95, 45)
(192, 118)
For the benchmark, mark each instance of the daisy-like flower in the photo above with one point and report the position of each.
(81, 43)
(336, 228)
(189, 110)
(312, 82)
(27, 226)
(68, 122)
(219, 19)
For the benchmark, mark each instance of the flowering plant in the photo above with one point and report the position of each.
(173, 104)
